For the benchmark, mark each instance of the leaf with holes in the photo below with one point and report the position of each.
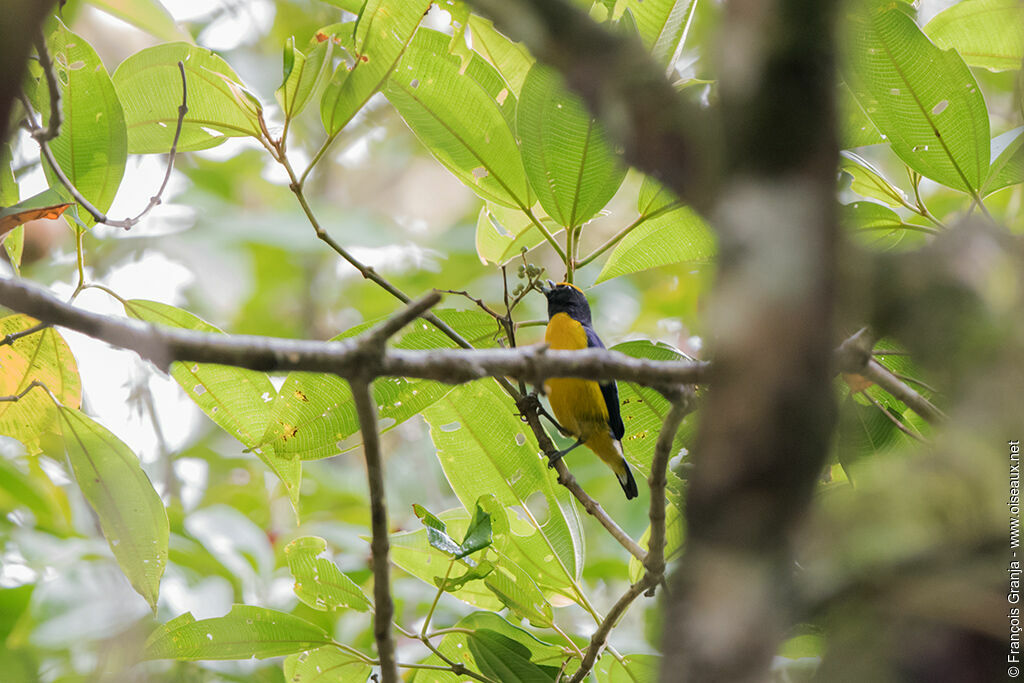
(378, 40)
(644, 410)
(314, 413)
(923, 99)
(130, 512)
(483, 446)
(325, 665)
(149, 86)
(501, 233)
(986, 33)
(318, 581)
(463, 116)
(92, 146)
(244, 632)
(567, 153)
(39, 357)
(237, 400)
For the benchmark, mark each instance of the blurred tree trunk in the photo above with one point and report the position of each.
(20, 22)
(765, 430)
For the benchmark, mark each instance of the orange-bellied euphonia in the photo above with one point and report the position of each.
(586, 409)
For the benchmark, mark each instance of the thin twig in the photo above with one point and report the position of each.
(892, 418)
(40, 135)
(597, 641)
(384, 608)
(31, 385)
(15, 336)
(681, 406)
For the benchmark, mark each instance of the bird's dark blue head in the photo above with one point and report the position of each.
(566, 298)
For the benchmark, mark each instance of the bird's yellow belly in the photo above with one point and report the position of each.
(578, 406)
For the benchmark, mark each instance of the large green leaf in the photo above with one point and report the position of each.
(302, 75)
(662, 25)
(149, 86)
(874, 225)
(462, 115)
(40, 357)
(237, 400)
(644, 410)
(1007, 160)
(567, 153)
(318, 581)
(868, 181)
(456, 647)
(244, 632)
(501, 232)
(484, 448)
(325, 665)
(379, 37)
(92, 146)
(923, 99)
(854, 127)
(512, 60)
(314, 413)
(676, 236)
(986, 33)
(130, 512)
(149, 15)
(505, 659)
(632, 669)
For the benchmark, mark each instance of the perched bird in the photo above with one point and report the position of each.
(586, 409)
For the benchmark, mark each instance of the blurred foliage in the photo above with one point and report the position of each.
(434, 150)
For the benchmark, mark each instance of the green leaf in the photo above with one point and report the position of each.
(854, 127)
(868, 181)
(454, 583)
(483, 447)
(14, 241)
(1007, 160)
(568, 155)
(325, 665)
(923, 99)
(462, 116)
(318, 581)
(644, 410)
(43, 357)
(505, 659)
(675, 236)
(314, 413)
(512, 60)
(381, 34)
(662, 24)
(130, 512)
(245, 632)
(302, 75)
(874, 225)
(413, 553)
(455, 646)
(239, 401)
(501, 233)
(13, 604)
(673, 541)
(632, 669)
(437, 534)
(149, 15)
(92, 146)
(149, 86)
(478, 535)
(986, 33)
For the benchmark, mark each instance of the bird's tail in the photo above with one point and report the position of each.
(626, 481)
(610, 450)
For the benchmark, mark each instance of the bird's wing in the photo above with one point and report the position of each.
(609, 390)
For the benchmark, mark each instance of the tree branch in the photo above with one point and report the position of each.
(681, 406)
(162, 346)
(384, 608)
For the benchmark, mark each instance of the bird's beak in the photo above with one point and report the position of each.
(547, 289)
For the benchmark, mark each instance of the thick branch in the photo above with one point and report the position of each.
(163, 346)
(384, 608)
